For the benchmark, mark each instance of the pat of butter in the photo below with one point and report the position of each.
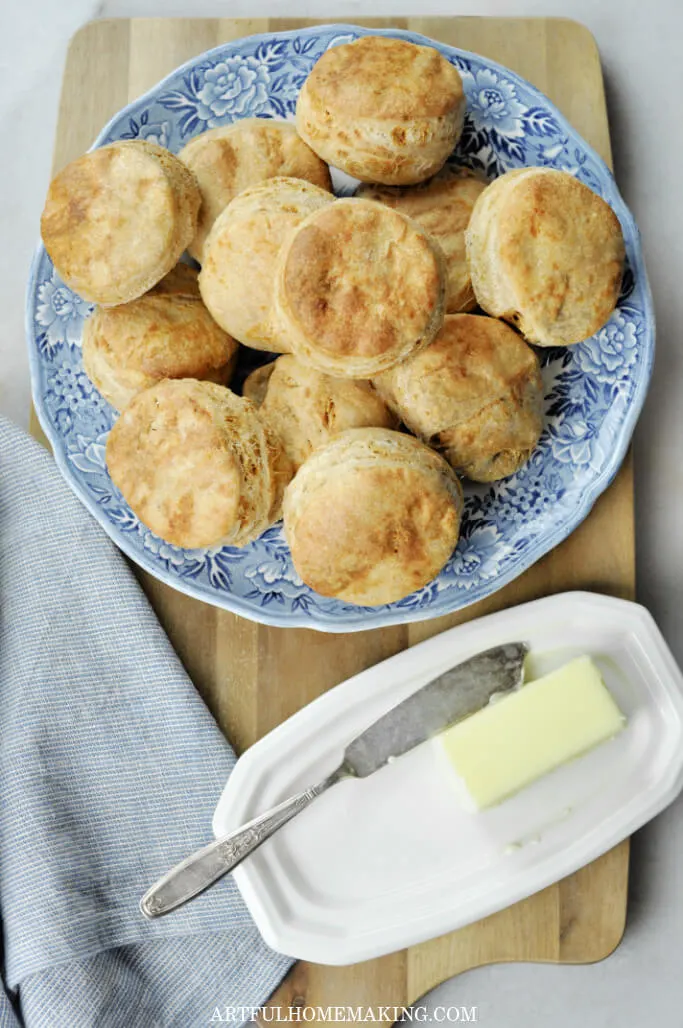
(509, 744)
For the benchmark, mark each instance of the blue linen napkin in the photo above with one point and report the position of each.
(110, 768)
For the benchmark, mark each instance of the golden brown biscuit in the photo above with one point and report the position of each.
(307, 407)
(117, 219)
(161, 335)
(359, 288)
(197, 464)
(443, 207)
(382, 109)
(372, 516)
(545, 253)
(231, 158)
(182, 280)
(237, 280)
(475, 394)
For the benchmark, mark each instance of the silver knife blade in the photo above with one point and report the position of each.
(453, 695)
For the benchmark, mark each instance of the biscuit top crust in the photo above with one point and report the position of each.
(370, 519)
(562, 247)
(384, 78)
(109, 216)
(362, 280)
(372, 516)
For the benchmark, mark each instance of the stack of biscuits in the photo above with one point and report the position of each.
(402, 318)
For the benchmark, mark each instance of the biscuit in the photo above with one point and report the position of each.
(372, 516)
(382, 109)
(546, 254)
(237, 280)
(442, 206)
(197, 464)
(161, 335)
(117, 220)
(475, 394)
(231, 158)
(307, 407)
(359, 288)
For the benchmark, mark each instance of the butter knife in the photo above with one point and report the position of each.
(450, 697)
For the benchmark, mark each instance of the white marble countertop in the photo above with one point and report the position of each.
(640, 48)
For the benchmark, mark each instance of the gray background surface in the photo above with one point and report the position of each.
(640, 45)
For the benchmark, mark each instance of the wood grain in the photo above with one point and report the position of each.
(253, 677)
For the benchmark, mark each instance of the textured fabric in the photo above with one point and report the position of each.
(110, 768)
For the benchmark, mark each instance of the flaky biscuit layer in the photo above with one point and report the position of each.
(197, 464)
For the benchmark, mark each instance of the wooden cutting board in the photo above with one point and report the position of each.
(253, 677)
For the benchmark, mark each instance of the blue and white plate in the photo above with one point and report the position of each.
(594, 391)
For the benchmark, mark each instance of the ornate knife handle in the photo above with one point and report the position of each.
(197, 872)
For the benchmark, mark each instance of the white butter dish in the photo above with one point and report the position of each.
(385, 862)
